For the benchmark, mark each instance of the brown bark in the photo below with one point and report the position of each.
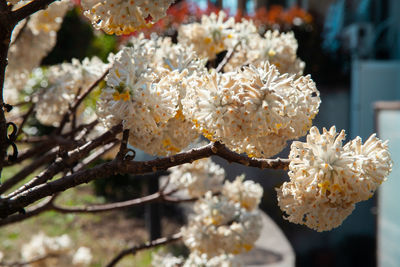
(24, 198)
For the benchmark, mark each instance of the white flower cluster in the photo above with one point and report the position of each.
(144, 90)
(221, 226)
(209, 37)
(327, 178)
(223, 260)
(41, 245)
(254, 110)
(30, 44)
(198, 177)
(59, 85)
(215, 34)
(58, 248)
(82, 257)
(50, 19)
(159, 90)
(195, 260)
(277, 48)
(162, 55)
(125, 16)
(226, 220)
(166, 260)
(244, 34)
(247, 193)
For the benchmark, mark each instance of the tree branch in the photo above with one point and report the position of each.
(30, 212)
(69, 159)
(151, 244)
(94, 156)
(79, 100)
(49, 205)
(29, 9)
(23, 199)
(42, 147)
(123, 149)
(24, 119)
(227, 57)
(111, 206)
(22, 174)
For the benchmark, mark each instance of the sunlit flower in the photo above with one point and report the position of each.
(221, 226)
(126, 16)
(223, 260)
(327, 178)
(247, 193)
(241, 109)
(42, 245)
(162, 54)
(59, 86)
(31, 41)
(373, 161)
(166, 260)
(209, 37)
(198, 177)
(277, 48)
(146, 99)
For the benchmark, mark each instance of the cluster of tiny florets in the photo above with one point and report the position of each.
(327, 179)
(221, 226)
(124, 16)
(198, 177)
(45, 251)
(277, 48)
(57, 87)
(195, 259)
(226, 219)
(144, 91)
(36, 37)
(254, 110)
(247, 193)
(209, 37)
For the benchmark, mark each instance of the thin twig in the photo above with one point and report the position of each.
(94, 156)
(73, 122)
(227, 57)
(46, 143)
(24, 119)
(69, 159)
(49, 205)
(111, 206)
(39, 148)
(79, 100)
(151, 244)
(43, 206)
(124, 144)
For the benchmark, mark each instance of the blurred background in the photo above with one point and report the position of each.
(352, 50)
